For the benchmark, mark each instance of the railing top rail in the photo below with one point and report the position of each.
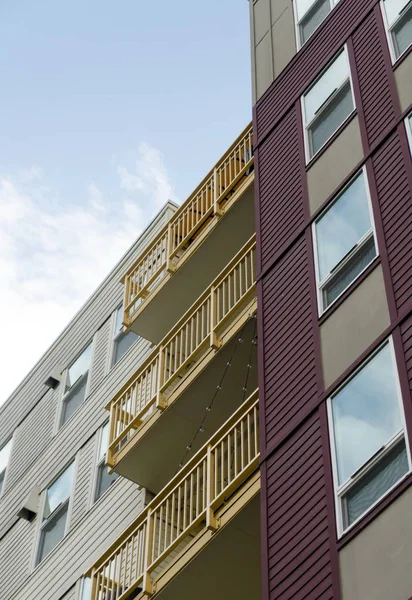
(185, 204)
(177, 479)
(244, 250)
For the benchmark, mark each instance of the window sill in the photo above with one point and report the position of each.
(352, 287)
(332, 138)
(403, 485)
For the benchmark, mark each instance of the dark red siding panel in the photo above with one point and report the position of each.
(395, 201)
(406, 335)
(299, 548)
(378, 108)
(280, 189)
(288, 354)
(309, 61)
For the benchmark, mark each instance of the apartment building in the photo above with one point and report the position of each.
(333, 189)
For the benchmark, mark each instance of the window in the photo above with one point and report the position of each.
(409, 130)
(55, 512)
(122, 341)
(368, 436)
(86, 591)
(344, 241)
(309, 14)
(327, 104)
(103, 479)
(76, 384)
(398, 20)
(4, 461)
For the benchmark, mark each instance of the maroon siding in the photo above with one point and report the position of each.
(406, 335)
(300, 546)
(280, 189)
(289, 350)
(378, 107)
(395, 201)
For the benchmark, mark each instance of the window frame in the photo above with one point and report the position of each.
(340, 490)
(94, 499)
(389, 28)
(7, 467)
(42, 523)
(306, 126)
(320, 284)
(113, 337)
(64, 395)
(408, 125)
(299, 42)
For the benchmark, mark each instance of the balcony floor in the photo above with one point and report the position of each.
(175, 294)
(228, 567)
(152, 458)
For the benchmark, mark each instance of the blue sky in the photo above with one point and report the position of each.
(108, 110)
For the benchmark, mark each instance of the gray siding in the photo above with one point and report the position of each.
(84, 481)
(101, 351)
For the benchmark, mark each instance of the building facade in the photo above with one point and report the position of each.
(333, 186)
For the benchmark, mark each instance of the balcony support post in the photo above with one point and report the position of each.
(147, 582)
(214, 340)
(217, 211)
(170, 267)
(211, 521)
(160, 403)
(112, 435)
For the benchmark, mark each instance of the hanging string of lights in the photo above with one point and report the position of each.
(209, 407)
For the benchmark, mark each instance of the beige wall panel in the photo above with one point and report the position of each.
(278, 7)
(403, 77)
(376, 564)
(331, 168)
(261, 19)
(354, 326)
(284, 41)
(263, 65)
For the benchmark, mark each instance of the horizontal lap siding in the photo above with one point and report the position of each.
(280, 188)
(406, 334)
(84, 479)
(289, 357)
(101, 350)
(395, 201)
(308, 63)
(299, 551)
(377, 102)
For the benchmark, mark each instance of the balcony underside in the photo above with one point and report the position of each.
(152, 456)
(200, 264)
(228, 565)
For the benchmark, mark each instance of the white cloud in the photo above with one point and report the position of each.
(53, 255)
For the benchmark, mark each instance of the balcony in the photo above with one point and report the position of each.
(189, 252)
(206, 517)
(199, 364)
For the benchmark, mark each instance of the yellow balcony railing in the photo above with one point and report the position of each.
(185, 508)
(207, 202)
(166, 370)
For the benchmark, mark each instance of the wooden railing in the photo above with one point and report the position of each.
(181, 349)
(206, 202)
(183, 509)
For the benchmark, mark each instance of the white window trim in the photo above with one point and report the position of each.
(93, 501)
(7, 469)
(408, 125)
(62, 394)
(389, 38)
(300, 44)
(306, 126)
(372, 231)
(340, 490)
(80, 586)
(39, 527)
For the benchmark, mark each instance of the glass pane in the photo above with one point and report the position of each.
(122, 344)
(4, 456)
(86, 588)
(330, 119)
(104, 480)
(393, 9)
(344, 277)
(73, 400)
(366, 413)
(78, 368)
(104, 441)
(52, 533)
(58, 492)
(331, 80)
(402, 33)
(313, 19)
(375, 483)
(342, 226)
